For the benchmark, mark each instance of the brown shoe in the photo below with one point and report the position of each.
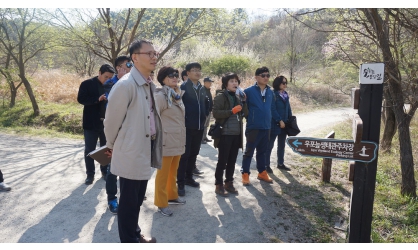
(229, 186)
(221, 191)
(142, 239)
(245, 179)
(264, 177)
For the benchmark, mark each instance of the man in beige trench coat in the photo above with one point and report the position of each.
(133, 132)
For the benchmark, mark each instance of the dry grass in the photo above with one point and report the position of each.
(56, 86)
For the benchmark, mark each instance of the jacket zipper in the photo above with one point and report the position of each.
(198, 102)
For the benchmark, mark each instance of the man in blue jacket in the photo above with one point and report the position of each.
(259, 100)
(197, 109)
(123, 66)
(91, 94)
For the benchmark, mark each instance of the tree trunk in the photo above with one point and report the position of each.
(28, 87)
(389, 123)
(408, 186)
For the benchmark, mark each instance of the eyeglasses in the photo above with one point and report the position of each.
(128, 64)
(151, 54)
(264, 75)
(196, 70)
(172, 75)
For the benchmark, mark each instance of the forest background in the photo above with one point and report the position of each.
(46, 53)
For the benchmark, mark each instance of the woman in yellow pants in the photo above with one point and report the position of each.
(172, 113)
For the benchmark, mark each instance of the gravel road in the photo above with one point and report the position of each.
(49, 201)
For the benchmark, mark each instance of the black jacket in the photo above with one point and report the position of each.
(209, 97)
(196, 105)
(88, 95)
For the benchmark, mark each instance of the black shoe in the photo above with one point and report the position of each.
(268, 169)
(89, 180)
(197, 171)
(204, 142)
(207, 140)
(180, 190)
(191, 182)
(283, 167)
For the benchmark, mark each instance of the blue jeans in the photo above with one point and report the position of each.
(281, 143)
(257, 139)
(90, 138)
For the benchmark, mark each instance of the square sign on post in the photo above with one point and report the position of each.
(372, 73)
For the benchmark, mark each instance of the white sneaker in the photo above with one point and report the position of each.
(178, 201)
(4, 187)
(165, 211)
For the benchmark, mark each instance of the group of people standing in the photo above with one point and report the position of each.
(145, 127)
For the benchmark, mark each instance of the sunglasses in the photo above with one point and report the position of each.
(284, 83)
(128, 64)
(264, 75)
(172, 75)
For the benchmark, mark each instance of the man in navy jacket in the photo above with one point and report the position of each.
(259, 100)
(197, 109)
(92, 95)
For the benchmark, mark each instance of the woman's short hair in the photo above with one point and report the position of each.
(228, 76)
(164, 72)
(277, 81)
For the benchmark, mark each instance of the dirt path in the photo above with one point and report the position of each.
(49, 201)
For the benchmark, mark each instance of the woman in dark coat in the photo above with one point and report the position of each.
(280, 115)
(229, 110)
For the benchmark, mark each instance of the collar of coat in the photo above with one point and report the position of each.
(139, 79)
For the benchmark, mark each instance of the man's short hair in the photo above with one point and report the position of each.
(136, 46)
(193, 65)
(164, 72)
(261, 70)
(227, 77)
(106, 68)
(120, 59)
(183, 74)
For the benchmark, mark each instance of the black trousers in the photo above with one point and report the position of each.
(132, 194)
(111, 184)
(90, 139)
(188, 159)
(1, 176)
(228, 148)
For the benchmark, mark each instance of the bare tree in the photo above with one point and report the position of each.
(23, 37)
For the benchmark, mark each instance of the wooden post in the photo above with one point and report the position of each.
(364, 180)
(327, 163)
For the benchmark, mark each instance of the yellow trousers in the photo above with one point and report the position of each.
(165, 181)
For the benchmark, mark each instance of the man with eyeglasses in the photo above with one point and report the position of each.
(260, 102)
(197, 109)
(92, 95)
(134, 137)
(123, 66)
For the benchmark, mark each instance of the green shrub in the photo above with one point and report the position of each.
(229, 63)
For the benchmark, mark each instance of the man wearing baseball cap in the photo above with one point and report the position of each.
(207, 83)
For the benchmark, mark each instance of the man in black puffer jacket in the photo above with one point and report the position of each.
(197, 109)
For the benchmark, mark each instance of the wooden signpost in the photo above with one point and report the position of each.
(369, 104)
(362, 151)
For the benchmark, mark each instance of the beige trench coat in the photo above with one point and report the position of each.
(173, 121)
(127, 128)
